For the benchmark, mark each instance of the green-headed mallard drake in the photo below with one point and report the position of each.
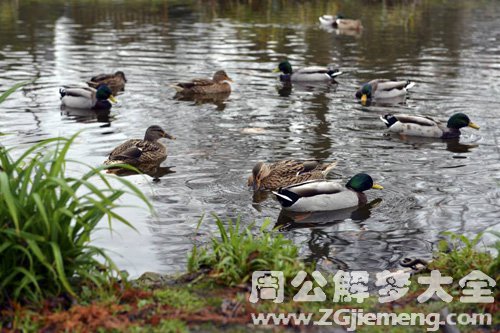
(116, 82)
(217, 85)
(426, 126)
(142, 154)
(306, 74)
(383, 89)
(87, 97)
(283, 173)
(341, 23)
(324, 195)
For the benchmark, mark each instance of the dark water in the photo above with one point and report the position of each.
(451, 49)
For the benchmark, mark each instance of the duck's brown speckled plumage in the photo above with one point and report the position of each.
(287, 172)
(116, 82)
(143, 154)
(218, 84)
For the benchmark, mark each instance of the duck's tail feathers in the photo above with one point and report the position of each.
(333, 72)
(284, 197)
(326, 19)
(329, 168)
(177, 87)
(388, 119)
(409, 85)
(62, 92)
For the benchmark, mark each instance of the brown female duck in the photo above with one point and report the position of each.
(116, 82)
(287, 172)
(142, 154)
(217, 85)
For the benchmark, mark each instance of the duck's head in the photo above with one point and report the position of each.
(103, 93)
(362, 182)
(260, 171)
(365, 93)
(122, 75)
(285, 67)
(459, 120)
(155, 132)
(221, 76)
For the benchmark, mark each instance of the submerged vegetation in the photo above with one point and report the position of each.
(47, 217)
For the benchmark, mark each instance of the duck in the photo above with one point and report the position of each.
(383, 89)
(325, 195)
(286, 172)
(143, 154)
(220, 83)
(87, 98)
(306, 74)
(116, 82)
(341, 23)
(426, 126)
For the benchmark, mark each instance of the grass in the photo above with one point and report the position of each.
(459, 255)
(236, 253)
(46, 221)
(206, 306)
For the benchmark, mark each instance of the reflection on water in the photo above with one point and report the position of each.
(450, 49)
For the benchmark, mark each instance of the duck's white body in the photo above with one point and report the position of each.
(387, 89)
(319, 195)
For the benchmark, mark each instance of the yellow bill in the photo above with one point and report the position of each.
(112, 99)
(471, 124)
(377, 187)
(276, 70)
(364, 98)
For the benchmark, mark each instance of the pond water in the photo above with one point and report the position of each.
(451, 49)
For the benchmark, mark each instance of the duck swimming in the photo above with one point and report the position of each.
(217, 85)
(283, 173)
(341, 23)
(426, 126)
(87, 98)
(306, 74)
(144, 154)
(383, 89)
(115, 82)
(324, 195)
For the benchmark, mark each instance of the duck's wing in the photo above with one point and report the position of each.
(419, 120)
(389, 85)
(196, 83)
(313, 188)
(86, 92)
(121, 149)
(327, 19)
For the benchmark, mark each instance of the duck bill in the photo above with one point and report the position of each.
(475, 126)
(364, 98)
(168, 136)
(229, 79)
(276, 70)
(377, 187)
(112, 99)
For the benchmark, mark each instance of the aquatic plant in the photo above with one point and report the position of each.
(11, 90)
(46, 220)
(236, 253)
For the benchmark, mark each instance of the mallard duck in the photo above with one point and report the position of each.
(116, 82)
(87, 97)
(217, 85)
(143, 154)
(426, 126)
(341, 23)
(283, 173)
(383, 89)
(306, 74)
(324, 195)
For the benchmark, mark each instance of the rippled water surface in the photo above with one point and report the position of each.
(451, 49)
